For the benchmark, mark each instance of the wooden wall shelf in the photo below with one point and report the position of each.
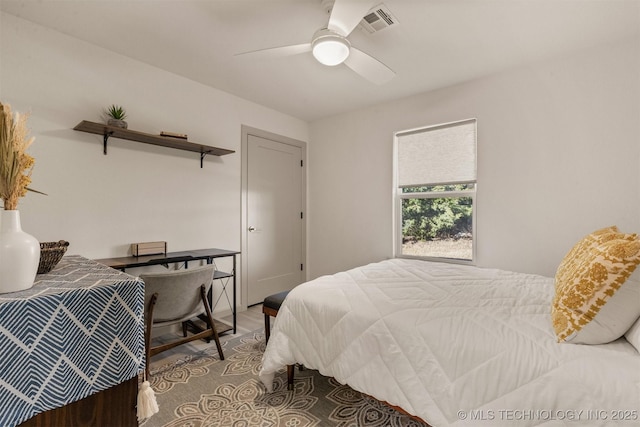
(164, 141)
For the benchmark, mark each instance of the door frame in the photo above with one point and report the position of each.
(244, 225)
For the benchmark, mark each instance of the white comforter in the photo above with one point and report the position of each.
(453, 345)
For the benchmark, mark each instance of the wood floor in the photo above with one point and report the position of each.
(246, 321)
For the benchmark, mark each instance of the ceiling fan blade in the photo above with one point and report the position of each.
(346, 14)
(369, 67)
(275, 52)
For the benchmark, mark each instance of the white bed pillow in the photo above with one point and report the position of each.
(633, 335)
(596, 300)
(615, 317)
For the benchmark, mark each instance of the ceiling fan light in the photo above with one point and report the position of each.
(330, 49)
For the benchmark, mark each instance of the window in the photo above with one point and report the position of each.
(434, 192)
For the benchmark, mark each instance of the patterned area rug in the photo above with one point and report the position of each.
(201, 390)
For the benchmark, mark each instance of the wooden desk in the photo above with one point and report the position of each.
(185, 257)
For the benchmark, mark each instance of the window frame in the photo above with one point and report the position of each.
(399, 196)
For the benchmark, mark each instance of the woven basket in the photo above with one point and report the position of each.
(50, 255)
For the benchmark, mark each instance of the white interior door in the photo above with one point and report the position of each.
(275, 208)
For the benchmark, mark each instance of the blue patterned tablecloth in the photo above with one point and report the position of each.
(77, 331)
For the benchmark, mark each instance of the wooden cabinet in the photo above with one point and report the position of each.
(114, 407)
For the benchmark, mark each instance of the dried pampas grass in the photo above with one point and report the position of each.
(15, 164)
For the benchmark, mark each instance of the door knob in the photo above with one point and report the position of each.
(252, 228)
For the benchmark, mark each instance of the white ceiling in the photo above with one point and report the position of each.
(436, 44)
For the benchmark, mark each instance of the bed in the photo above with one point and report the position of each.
(453, 345)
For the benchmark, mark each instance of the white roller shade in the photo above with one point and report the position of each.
(443, 154)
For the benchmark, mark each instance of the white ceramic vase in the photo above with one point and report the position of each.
(19, 254)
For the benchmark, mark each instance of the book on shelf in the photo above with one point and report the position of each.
(173, 135)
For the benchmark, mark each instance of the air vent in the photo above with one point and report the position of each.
(377, 19)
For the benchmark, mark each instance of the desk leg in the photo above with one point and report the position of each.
(234, 308)
(210, 293)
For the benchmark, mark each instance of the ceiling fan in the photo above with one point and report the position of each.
(330, 45)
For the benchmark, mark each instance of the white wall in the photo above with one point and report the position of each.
(558, 157)
(137, 192)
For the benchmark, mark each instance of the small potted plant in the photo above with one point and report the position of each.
(116, 115)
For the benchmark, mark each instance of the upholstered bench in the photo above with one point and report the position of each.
(270, 307)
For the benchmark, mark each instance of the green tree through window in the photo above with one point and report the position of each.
(442, 218)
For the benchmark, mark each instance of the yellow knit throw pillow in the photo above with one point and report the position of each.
(575, 256)
(589, 281)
